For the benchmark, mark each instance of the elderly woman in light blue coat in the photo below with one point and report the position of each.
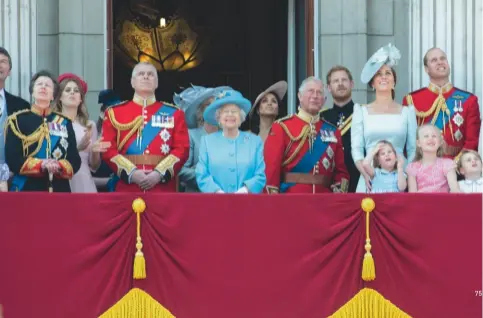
(230, 160)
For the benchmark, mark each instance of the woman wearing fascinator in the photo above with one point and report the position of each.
(265, 109)
(383, 118)
(193, 101)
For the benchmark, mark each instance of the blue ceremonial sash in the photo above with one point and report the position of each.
(450, 103)
(308, 161)
(18, 181)
(149, 132)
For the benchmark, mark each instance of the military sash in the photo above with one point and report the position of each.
(57, 129)
(162, 119)
(308, 161)
(452, 102)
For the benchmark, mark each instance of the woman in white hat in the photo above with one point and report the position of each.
(266, 108)
(193, 101)
(230, 160)
(383, 118)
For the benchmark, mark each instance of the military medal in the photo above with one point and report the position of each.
(341, 120)
(330, 152)
(458, 135)
(458, 106)
(165, 135)
(165, 149)
(458, 119)
(64, 143)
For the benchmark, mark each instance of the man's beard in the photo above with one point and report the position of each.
(343, 97)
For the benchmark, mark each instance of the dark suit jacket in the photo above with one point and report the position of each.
(15, 103)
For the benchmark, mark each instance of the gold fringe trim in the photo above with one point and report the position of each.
(137, 304)
(368, 303)
(139, 268)
(368, 266)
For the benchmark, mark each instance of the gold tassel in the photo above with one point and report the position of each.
(139, 269)
(368, 266)
(137, 304)
(368, 303)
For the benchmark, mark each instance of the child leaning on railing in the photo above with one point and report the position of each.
(4, 175)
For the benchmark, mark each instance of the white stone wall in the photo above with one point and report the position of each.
(456, 27)
(352, 30)
(71, 38)
(18, 29)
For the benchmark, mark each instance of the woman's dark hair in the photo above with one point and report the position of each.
(395, 81)
(254, 116)
(45, 74)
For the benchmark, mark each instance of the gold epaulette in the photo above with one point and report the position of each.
(41, 133)
(118, 104)
(169, 104)
(283, 118)
(409, 99)
(19, 112)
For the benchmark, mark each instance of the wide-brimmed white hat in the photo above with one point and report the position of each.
(388, 55)
(279, 89)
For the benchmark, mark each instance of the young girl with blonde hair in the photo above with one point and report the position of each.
(430, 172)
(385, 168)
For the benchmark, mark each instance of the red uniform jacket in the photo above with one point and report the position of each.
(461, 121)
(286, 145)
(126, 127)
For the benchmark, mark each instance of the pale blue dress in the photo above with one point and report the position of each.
(368, 129)
(229, 164)
(187, 175)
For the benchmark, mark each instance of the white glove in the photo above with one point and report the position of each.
(242, 190)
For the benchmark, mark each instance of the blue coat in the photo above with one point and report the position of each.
(229, 164)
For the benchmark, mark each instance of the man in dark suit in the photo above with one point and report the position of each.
(340, 85)
(9, 103)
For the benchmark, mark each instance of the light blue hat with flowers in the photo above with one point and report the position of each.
(388, 55)
(191, 98)
(222, 98)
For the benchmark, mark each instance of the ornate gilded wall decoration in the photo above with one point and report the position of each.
(171, 45)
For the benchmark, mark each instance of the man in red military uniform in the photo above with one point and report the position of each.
(454, 111)
(149, 139)
(303, 153)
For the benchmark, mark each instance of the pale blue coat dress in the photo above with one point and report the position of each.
(368, 129)
(187, 175)
(229, 164)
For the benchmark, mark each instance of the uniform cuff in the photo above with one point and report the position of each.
(66, 171)
(32, 167)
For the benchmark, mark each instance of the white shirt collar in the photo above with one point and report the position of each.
(477, 181)
(2, 93)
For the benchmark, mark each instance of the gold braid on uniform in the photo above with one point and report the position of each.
(38, 136)
(302, 138)
(134, 126)
(438, 106)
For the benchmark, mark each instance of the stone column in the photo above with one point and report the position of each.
(456, 27)
(18, 19)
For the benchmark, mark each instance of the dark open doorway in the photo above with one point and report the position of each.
(242, 43)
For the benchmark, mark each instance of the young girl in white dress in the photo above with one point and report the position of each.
(385, 168)
(470, 167)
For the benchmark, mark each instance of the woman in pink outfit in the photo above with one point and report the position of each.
(429, 172)
(71, 103)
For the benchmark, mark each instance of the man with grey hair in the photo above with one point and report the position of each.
(149, 139)
(304, 153)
